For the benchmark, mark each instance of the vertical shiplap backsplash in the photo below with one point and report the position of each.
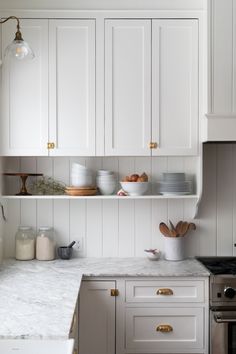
(118, 228)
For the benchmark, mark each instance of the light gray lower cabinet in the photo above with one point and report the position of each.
(97, 317)
(158, 315)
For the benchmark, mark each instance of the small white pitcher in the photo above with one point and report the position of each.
(174, 248)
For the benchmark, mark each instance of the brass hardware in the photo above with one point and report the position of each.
(164, 291)
(114, 292)
(165, 328)
(153, 145)
(50, 146)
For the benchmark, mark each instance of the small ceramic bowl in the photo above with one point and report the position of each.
(153, 255)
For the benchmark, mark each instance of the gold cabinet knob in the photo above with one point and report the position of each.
(153, 145)
(51, 146)
(114, 292)
(164, 291)
(165, 328)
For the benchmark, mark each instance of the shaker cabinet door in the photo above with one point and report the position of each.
(97, 318)
(24, 92)
(72, 87)
(175, 86)
(127, 87)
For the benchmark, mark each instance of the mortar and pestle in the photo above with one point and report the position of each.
(65, 252)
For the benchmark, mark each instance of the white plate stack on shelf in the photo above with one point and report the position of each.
(106, 182)
(81, 176)
(175, 184)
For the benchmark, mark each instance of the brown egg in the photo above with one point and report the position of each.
(144, 176)
(141, 179)
(134, 177)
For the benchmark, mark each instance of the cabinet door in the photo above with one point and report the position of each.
(72, 87)
(175, 86)
(24, 107)
(127, 87)
(97, 318)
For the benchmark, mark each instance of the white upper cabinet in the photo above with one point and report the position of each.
(24, 101)
(72, 87)
(33, 115)
(127, 87)
(220, 120)
(151, 87)
(175, 87)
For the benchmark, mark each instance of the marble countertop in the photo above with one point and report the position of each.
(37, 299)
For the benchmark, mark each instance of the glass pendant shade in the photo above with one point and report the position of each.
(19, 49)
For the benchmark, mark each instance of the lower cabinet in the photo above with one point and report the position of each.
(162, 315)
(97, 317)
(74, 330)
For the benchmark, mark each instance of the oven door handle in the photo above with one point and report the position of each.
(219, 319)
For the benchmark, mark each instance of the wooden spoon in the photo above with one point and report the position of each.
(173, 230)
(164, 229)
(184, 228)
(191, 226)
(178, 227)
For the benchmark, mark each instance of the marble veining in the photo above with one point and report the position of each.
(37, 299)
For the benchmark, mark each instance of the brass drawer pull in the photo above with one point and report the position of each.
(165, 328)
(153, 145)
(164, 291)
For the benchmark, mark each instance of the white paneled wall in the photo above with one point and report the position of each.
(125, 227)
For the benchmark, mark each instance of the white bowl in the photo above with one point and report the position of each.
(81, 180)
(104, 173)
(134, 188)
(77, 166)
(153, 256)
(106, 179)
(82, 172)
(106, 188)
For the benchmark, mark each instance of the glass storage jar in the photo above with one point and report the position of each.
(24, 243)
(45, 244)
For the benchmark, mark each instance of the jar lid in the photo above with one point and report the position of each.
(24, 228)
(45, 228)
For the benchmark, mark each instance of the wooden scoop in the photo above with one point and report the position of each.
(164, 229)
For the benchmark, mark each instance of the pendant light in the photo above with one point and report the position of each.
(18, 49)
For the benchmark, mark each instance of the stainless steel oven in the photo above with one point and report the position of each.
(222, 297)
(223, 332)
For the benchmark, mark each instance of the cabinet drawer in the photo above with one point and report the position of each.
(147, 329)
(165, 291)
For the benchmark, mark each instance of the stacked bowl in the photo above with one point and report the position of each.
(81, 176)
(106, 182)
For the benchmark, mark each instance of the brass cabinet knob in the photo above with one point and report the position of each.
(153, 145)
(114, 292)
(164, 291)
(164, 328)
(51, 145)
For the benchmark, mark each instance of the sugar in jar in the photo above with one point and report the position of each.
(25, 243)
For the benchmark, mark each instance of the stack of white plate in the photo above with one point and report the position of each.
(81, 176)
(106, 182)
(175, 184)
